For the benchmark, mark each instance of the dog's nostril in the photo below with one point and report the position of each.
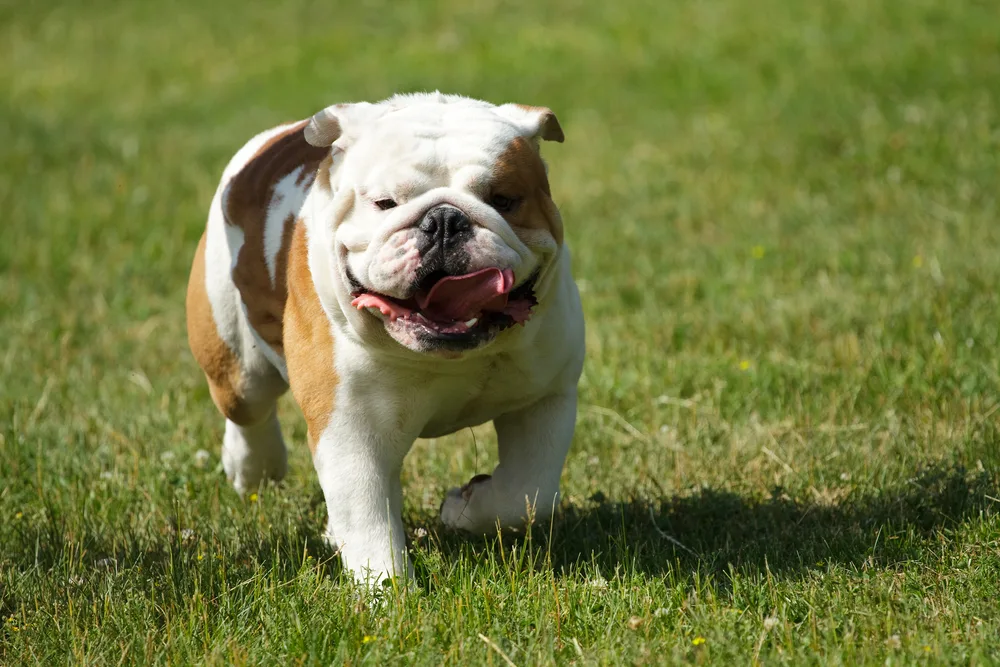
(455, 222)
(428, 225)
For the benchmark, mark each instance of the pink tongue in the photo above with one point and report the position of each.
(465, 297)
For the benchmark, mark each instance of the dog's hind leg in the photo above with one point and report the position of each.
(244, 384)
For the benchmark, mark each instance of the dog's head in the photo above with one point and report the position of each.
(440, 214)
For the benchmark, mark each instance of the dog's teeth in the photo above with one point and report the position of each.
(471, 323)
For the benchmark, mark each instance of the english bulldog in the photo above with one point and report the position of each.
(401, 266)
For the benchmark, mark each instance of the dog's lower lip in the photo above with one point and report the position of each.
(448, 329)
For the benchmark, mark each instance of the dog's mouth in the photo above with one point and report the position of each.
(457, 308)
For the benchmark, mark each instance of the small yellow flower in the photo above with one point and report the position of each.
(367, 639)
(698, 641)
(744, 364)
(757, 252)
(253, 497)
(18, 516)
(201, 556)
(15, 628)
(927, 649)
(918, 261)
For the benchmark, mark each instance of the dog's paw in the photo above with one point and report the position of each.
(246, 474)
(461, 511)
(372, 572)
(248, 464)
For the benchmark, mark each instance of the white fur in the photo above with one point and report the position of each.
(421, 150)
(251, 453)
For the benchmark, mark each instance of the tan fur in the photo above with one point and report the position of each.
(309, 349)
(220, 364)
(247, 200)
(323, 174)
(520, 172)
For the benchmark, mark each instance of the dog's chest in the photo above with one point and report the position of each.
(501, 386)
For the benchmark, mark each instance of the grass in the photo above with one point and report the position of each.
(783, 219)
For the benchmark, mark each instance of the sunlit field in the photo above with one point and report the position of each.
(783, 219)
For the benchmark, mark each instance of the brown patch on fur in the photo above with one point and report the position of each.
(519, 172)
(309, 349)
(220, 364)
(305, 178)
(247, 198)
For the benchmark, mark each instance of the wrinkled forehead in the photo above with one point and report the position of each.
(431, 147)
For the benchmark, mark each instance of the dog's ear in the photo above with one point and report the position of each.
(323, 128)
(537, 122)
(337, 123)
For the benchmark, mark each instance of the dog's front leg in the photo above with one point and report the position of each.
(533, 444)
(359, 468)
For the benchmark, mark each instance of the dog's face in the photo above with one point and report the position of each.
(442, 220)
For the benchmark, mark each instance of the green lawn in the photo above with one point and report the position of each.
(784, 224)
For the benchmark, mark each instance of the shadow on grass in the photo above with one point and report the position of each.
(712, 531)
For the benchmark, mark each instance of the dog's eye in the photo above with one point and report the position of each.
(503, 203)
(385, 204)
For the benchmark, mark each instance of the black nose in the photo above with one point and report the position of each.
(446, 226)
